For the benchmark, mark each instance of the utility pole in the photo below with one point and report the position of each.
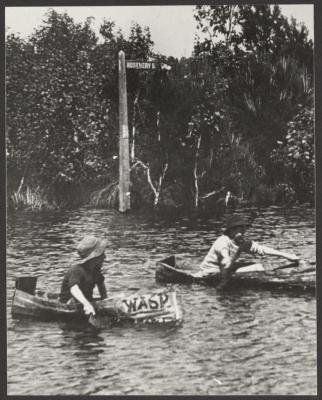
(124, 149)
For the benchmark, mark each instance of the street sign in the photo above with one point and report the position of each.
(141, 64)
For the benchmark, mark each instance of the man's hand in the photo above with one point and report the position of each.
(242, 243)
(272, 252)
(89, 309)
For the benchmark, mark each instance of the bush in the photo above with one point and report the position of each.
(294, 157)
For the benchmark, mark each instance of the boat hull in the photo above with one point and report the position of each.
(285, 277)
(156, 307)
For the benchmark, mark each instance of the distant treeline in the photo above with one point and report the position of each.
(235, 121)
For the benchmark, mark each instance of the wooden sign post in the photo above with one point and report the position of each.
(124, 158)
(124, 148)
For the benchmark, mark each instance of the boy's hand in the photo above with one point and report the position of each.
(89, 309)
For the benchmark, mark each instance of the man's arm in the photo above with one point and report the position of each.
(264, 250)
(228, 266)
(78, 294)
(228, 262)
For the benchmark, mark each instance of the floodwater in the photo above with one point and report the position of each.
(241, 343)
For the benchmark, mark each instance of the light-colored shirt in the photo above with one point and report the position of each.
(214, 257)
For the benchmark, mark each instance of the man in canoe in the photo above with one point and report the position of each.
(226, 250)
(79, 281)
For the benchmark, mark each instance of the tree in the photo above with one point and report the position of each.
(63, 132)
(203, 128)
(60, 117)
(260, 29)
(294, 158)
(264, 97)
(266, 62)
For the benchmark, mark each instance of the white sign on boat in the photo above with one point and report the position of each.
(159, 306)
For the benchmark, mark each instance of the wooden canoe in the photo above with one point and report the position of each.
(290, 276)
(157, 307)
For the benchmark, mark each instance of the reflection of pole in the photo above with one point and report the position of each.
(124, 159)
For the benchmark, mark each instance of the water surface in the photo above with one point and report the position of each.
(241, 343)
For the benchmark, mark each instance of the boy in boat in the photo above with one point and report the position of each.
(79, 281)
(227, 248)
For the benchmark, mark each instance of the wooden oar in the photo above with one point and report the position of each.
(244, 268)
(255, 267)
(94, 322)
(289, 265)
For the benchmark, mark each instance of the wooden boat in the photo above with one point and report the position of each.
(159, 306)
(293, 276)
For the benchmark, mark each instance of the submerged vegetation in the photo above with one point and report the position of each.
(233, 123)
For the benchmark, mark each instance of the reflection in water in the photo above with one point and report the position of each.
(83, 346)
(238, 342)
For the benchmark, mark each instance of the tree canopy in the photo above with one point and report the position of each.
(213, 123)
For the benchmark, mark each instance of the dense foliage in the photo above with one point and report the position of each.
(222, 121)
(267, 63)
(295, 155)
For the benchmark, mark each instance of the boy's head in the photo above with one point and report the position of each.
(91, 249)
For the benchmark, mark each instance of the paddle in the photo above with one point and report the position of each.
(246, 266)
(299, 264)
(94, 322)
(255, 267)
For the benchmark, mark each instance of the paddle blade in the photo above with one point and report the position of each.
(94, 322)
(251, 268)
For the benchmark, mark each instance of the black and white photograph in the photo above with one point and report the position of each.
(160, 200)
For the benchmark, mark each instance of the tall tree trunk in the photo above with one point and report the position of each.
(195, 172)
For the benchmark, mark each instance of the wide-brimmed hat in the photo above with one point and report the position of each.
(235, 221)
(90, 247)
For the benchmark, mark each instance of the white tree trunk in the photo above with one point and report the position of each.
(135, 103)
(156, 188)
(195, 173)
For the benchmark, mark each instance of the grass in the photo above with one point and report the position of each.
(32, 199)
(106, 197)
